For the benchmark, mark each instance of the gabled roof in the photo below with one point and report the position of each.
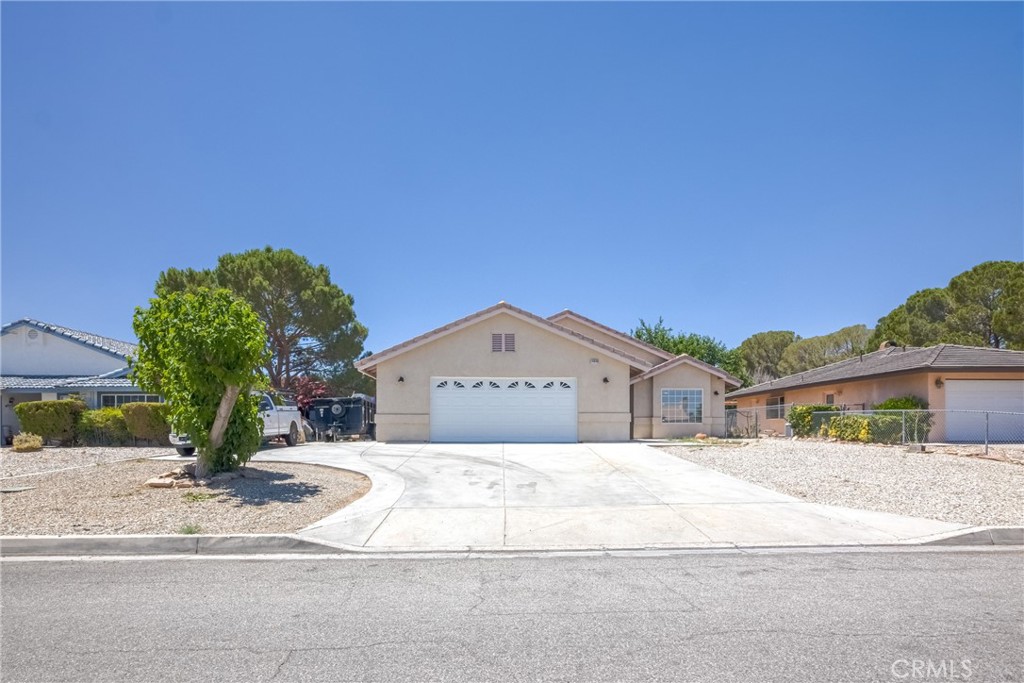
(685, 359)
(114, 347)
(115, 379)
(895, 360)
(661, 353)
(367, 365)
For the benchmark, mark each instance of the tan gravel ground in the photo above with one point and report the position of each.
(111, 499)
(936, 485)
(15, 464)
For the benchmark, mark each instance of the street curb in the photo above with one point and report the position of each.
(995, 535)
(289, 544)
(238, 544)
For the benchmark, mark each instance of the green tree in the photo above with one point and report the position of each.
(310, 321)
(699, 346)
(920, 321)
(978, 302)
(815, 352)
(761, 353)
(1008, 320)
(202, 350)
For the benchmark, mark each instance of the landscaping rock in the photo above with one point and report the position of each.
(160, 482)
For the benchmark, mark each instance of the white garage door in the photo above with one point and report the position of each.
(502, 409)
(1002, 396)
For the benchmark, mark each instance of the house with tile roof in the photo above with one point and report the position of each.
(960, 384)
(41, 361)
(505, 374)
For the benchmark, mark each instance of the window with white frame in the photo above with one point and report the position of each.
(682, 405)
(503, 341)
(117, 400)
(775, 408)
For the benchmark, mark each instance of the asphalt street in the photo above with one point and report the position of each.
(892, 615)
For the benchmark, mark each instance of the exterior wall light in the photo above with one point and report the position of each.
(605, 380)
(401, 379)
(938, 382)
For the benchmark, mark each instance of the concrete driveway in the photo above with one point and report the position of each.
(571, 496)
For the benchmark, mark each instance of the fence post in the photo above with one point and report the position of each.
(986, 432)
(757, 431)
(904, 415)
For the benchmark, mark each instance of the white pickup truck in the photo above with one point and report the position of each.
(281, 417)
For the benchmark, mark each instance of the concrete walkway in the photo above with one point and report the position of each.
(572, 496)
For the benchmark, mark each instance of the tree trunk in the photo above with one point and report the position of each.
(220, 425)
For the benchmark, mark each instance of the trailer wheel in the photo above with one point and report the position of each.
(186, 451)
(292, 437)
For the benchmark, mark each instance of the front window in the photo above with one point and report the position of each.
(682, 405)
(776, 408)
(118, 400)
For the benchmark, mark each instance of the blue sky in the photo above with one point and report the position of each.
(732, 167)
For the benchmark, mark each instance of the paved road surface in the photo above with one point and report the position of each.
(801, 616)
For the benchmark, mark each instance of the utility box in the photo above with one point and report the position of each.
(333, 419)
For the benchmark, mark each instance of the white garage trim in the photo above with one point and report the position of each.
(482, 409)
(1003, 399)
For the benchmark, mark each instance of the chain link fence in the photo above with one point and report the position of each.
(883, 426)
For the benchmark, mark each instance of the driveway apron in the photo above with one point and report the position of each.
(574, 496)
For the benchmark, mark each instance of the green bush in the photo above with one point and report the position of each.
(850, 428)
(103, 427)
(916, 421)
(803, 420)
(52, 420)
(26, 443)
(147, 421)
(902, 403)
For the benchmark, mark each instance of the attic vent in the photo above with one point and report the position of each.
(33, 335)
(503, 341)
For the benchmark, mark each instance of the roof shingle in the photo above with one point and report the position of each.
(896, 359)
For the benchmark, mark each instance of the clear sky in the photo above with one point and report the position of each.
(732, 167)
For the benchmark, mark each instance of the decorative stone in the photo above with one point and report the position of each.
(184, 484)
(160, 483)
(701, 436)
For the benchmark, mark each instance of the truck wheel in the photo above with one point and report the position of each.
(187, 451)
(292, 437)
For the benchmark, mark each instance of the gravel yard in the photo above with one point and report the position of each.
(16, 464)
(936, 485)
(110, 498)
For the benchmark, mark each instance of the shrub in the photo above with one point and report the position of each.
(27, 442)
(850, 428)
(103, 427)
(902, 403)
(916, 420)
(52, 420)
(147, 421)
(803, 420)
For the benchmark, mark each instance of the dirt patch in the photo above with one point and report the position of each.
(111, 498)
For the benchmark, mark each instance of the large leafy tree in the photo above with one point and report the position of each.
(761, 353)
(202, 350)
(978, 302)
(983, 306)
(921, 321)
(814, 352)
(701, 347)
(310, 322)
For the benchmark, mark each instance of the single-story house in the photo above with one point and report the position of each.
(952, 379)
(40, 361)
(505, 374)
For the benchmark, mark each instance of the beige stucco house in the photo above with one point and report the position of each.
(505, 374)
(960, 384)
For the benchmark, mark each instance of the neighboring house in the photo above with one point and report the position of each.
(40, 361)
(504, 374)
(949, 377)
